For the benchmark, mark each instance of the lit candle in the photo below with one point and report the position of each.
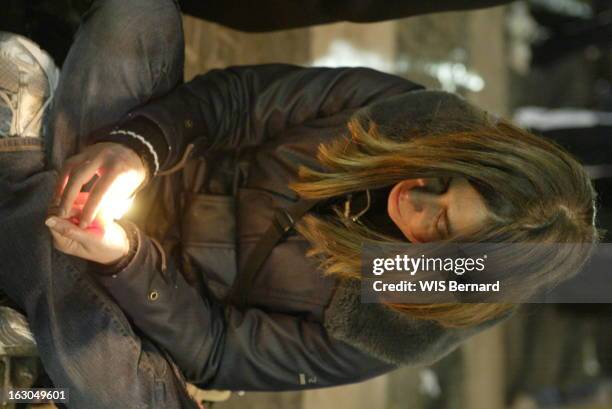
(119, 197)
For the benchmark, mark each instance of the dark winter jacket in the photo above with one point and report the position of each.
(252, 128)
(268, 15)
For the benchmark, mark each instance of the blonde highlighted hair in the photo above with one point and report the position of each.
(536, 191)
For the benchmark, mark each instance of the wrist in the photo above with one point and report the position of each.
(144, 168)
(143, 136)
(138, 145)
(126, 254)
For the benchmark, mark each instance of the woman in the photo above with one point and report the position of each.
(250, 169)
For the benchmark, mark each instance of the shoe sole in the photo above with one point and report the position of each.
(38, 54)
(44, 61)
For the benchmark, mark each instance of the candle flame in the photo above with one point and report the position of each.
(119, 197)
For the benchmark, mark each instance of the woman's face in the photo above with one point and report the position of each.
(435, 209)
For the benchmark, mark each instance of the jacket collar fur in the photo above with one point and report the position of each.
(389, 335)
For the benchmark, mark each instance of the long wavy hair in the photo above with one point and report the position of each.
(536, 191)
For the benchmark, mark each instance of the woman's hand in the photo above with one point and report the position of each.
(104, 245)
(104, 241)
(107, 160)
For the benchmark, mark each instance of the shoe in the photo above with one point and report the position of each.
(28, 78)
(16, 339)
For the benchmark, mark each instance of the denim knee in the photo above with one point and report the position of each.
(135, 28)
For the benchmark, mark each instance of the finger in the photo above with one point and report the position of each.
(62, 178)
(79, 177)
(75, 211)
(62, 243)
(95, 197)
(67, 230)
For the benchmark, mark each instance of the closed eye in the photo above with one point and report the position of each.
(442, 224)
(446, 223)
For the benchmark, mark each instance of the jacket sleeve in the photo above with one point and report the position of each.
(220, 347)
(242, 107)
(264, 15)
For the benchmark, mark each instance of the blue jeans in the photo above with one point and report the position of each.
(125, 53)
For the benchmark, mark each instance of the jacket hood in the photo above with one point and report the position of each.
(424, 110)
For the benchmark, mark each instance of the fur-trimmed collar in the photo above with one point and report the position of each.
(389, 335)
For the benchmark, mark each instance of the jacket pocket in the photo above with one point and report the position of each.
(209, 238)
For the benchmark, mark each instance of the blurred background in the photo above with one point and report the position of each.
(546, 63)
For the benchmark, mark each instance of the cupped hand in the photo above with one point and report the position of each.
(105, 245)
(103, 241)
(109, 161)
